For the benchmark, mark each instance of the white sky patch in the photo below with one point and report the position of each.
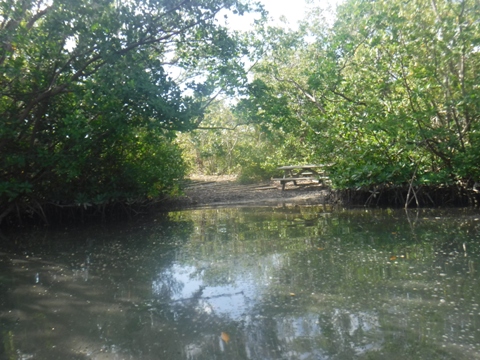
(284, 13)
(288, 12)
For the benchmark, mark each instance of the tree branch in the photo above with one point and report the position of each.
(221, 127)
(303, 91)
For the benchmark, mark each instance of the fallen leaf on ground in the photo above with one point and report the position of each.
(225, 337)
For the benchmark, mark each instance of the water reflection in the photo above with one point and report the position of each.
(280, 283)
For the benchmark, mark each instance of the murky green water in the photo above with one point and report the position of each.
(262, 283)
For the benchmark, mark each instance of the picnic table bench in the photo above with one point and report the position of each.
(301, 172)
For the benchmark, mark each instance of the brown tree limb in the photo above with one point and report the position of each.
(220, 127)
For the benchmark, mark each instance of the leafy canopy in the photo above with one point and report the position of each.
(387, 94)
(88, 109)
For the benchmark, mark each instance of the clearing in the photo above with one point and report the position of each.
(225, 191)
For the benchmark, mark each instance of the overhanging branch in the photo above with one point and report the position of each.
(220, 127)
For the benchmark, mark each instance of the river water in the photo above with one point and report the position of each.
(247, 283)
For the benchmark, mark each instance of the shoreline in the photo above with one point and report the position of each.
(224, 191)
(202, 191)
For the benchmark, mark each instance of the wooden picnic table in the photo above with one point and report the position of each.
(301, 172)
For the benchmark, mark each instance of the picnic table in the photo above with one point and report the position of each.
(301, 172)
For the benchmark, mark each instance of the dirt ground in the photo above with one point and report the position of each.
(225, 191)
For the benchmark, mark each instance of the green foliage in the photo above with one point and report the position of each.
(255, 164)
(225, 144)
(212, 149)
(87, 106)
(386, 94)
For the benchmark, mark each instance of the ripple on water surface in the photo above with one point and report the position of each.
(258, 283)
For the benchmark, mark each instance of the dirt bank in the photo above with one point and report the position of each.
(225, 191)
(200, 191)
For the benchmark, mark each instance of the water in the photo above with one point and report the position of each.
(259, 283)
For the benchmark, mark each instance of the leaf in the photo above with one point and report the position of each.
(292, 294)
(225, 337)
(392, 258)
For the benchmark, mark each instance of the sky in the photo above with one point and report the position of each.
(292, 10)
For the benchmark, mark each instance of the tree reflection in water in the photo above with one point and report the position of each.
(283, 283)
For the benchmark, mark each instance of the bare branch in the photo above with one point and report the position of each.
(303, 91)
(37, 16)
(221, 127)
(349, 99)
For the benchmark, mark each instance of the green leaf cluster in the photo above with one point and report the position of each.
(387, 94)
(223, 146)
(88, 103)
